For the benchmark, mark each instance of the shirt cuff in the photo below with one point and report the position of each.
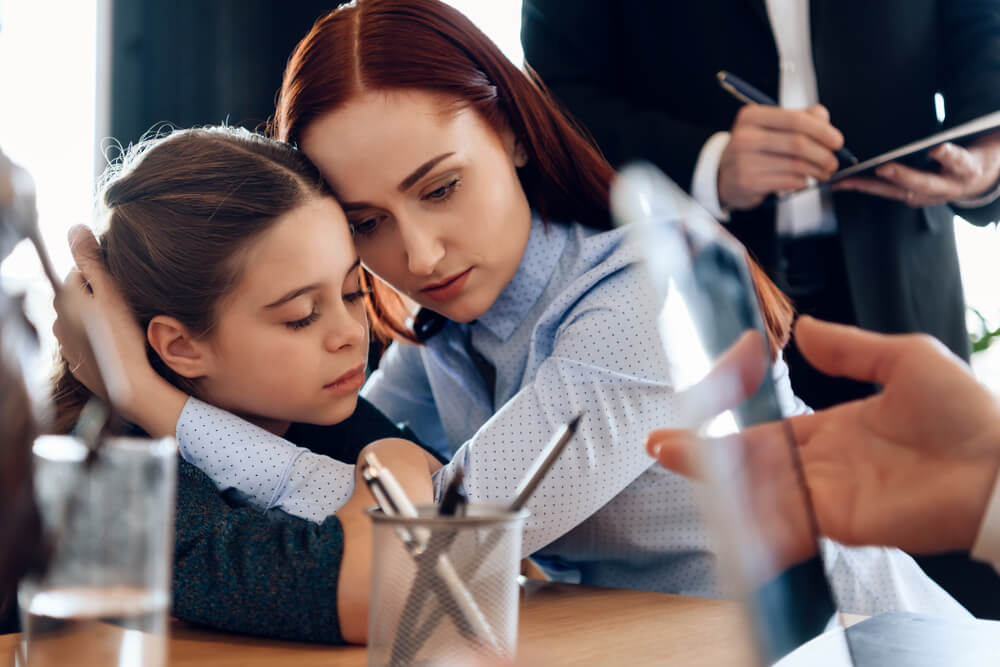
(235, 453)
(705, 180)
(981, 200)
(987, 545)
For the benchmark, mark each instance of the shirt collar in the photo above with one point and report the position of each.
(545, 246)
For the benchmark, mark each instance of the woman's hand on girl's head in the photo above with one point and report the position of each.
(153, 403)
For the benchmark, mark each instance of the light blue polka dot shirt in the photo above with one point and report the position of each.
(574, 331)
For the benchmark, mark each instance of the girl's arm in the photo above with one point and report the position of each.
(276, 575)
(238, 570)
(412, 468)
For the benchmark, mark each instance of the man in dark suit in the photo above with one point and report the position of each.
(641, 77)
(879, 252)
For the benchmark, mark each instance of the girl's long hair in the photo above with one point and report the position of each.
(371, 45)
(178, 211)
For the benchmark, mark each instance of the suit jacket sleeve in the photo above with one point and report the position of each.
(575, 47)
(970, 72)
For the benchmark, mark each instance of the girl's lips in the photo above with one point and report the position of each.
(349, 382)
(448, 288)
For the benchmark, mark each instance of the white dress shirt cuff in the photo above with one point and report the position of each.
(987, 546)
(982, 200)
(705, 180)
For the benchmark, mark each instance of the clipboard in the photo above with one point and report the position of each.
(915, 154)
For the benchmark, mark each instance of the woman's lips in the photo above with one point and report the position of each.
(447, 288)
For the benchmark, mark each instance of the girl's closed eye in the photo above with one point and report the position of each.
(295, 325)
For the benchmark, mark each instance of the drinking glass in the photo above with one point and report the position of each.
(108, 520)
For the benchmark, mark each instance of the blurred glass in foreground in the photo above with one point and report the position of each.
(713, 332)
(104, 598)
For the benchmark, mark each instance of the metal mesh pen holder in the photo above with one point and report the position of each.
(444, 587)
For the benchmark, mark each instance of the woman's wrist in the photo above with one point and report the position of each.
(155, 406)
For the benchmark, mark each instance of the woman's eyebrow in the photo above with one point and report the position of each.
(405, 185)
(418, 173)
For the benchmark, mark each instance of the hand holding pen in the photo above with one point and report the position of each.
(772, 150)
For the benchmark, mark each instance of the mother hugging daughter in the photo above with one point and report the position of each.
(472, 196)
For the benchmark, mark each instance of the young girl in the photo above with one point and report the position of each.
(471, 195)
(238, 264)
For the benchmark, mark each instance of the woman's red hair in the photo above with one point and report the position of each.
(370, 45)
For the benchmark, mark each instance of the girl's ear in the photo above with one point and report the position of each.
(178, 349)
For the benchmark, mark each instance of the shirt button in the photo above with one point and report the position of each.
(788, 68)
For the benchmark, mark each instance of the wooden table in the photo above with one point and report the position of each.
(560, 624)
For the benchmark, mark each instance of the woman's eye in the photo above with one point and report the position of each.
(442, 193)
(363, 227)
(354, 297)
(295, 325)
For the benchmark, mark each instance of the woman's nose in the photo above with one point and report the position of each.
(423, 246)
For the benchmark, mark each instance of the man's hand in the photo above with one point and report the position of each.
(776, 150)
(912, 466)
(966, 174)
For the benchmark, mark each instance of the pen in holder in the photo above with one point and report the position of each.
(415, 548)
(419, 621)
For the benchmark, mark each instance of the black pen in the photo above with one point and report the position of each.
(542, 464)
(748, 94)
(393, 501)
(453, 501)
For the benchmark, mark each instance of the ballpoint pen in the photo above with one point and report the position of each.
(453, 501)
(748, 94)
(431, 562)
(539, 468)
(542, 464)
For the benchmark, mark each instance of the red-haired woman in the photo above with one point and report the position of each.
(470, 194)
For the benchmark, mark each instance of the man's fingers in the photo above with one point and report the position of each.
(884, 189)
(786, 120)
(845, 351)
(674, 449)
(957, 161)
(820, 112)
(813, 157)
(925, 186)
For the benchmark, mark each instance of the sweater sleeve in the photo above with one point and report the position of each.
(238, 570)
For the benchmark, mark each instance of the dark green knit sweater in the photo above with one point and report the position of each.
(271, 574)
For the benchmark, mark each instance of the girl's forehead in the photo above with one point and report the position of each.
(310, 242)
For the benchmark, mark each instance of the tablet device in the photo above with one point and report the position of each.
(915, 154)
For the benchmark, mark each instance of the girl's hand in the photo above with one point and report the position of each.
(412, 467)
